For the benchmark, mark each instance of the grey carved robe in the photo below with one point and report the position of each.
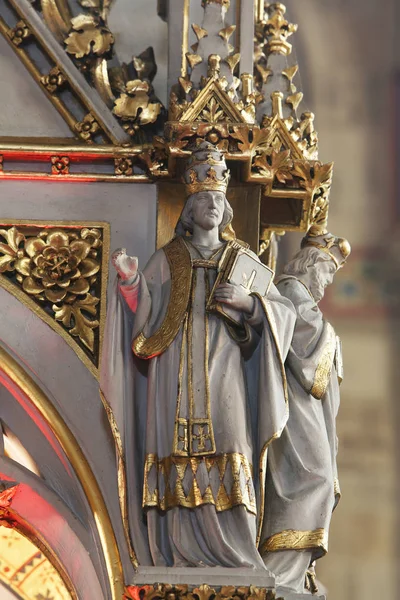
(302, 486)
(196, 405)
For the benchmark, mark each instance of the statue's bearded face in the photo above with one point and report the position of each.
(321, 275)
(208, 209)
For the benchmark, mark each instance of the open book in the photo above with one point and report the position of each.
(240, 267)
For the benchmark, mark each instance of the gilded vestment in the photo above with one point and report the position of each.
(197, 404)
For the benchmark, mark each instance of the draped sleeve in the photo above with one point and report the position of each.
(312, 352)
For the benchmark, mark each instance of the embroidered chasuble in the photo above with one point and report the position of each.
(197, 402)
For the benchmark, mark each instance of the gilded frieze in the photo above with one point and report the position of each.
(202, 592)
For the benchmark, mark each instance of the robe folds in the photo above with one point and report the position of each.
(194, 404)
(302, 485)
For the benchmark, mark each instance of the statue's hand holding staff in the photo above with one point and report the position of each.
(235, 296)
(126, 266)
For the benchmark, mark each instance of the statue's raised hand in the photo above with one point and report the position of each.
(126, 266)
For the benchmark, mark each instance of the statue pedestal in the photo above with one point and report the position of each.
(290, 596)
(212, 576)
(184, 583)
(217, 583)
(208, 583)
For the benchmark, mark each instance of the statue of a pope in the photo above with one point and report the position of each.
(197, 400)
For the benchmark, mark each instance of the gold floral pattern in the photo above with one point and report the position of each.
(87, 128)
(61, 266)
(54, 80)
(60, 269)
(20, 33)
(60, 165)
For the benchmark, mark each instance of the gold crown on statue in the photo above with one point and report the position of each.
(206, 170)
(337, 248)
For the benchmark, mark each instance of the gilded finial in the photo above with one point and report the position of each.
(277, 98)
(214, 65)
(278, 29)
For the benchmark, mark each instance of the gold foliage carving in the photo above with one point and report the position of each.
(275, 164)
(213, 112)
(250, 139)
(59, 268)
(202, 592)
(89, 35)
(135, 104)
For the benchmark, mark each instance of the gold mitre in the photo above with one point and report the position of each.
(337, 248)
(206, 170)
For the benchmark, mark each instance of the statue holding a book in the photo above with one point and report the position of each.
(194, 370)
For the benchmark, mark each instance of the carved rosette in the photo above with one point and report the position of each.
(59, 269)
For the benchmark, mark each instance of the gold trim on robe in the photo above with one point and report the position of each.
(296, 540)
(180, 265)
(324, 369)
(225, 481)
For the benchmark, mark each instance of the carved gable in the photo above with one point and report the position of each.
(213, 105)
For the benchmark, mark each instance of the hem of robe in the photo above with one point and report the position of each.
(204, 538)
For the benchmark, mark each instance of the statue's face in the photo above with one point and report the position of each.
(208, 209)
(326, 270)
(321, 275)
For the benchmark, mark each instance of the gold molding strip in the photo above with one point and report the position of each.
(121, 158)
(10, 367)
(80, 177)
(24, 149)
